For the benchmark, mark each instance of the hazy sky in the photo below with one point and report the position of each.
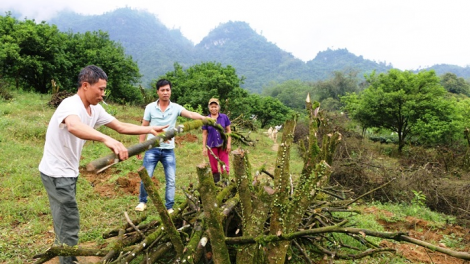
(409, 34)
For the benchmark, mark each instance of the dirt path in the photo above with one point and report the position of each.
(275, 147)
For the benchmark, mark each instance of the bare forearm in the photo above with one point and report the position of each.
(192, 115)
(131, 129)
(196, 116)
(228, 130)
(142, 138)
(204, 138)
(86, 132)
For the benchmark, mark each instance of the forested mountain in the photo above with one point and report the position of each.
(336, 60)
(143, 36)
(156, 48)
(457, 70)
(254, 57)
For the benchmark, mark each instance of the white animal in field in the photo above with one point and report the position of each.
(274, 132)
(270, 132)
(274, 135)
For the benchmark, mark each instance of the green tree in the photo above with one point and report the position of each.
(9, 48)
(96, 48)
(454, 84)
(406, 103)
(340, 84)
(291, 93)
(33, 54)
(198, 83)
(268, 111)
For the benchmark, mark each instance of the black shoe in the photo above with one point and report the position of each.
(216, 177)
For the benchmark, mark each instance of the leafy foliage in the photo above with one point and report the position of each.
(454, 84)
(195, 85)
(198, 83)
(33, 54)
(406, 103)
(340, 84)
(291, 93)
(268, 111)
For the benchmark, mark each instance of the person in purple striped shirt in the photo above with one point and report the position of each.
(212, 139)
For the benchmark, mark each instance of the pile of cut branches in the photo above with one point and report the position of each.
(256, 217)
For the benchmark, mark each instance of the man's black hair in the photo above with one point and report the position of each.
(91, 74)
(162, 82)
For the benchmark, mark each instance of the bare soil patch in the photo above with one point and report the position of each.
(423, 230)
(125, 185)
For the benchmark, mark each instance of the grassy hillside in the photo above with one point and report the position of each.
(25, 219)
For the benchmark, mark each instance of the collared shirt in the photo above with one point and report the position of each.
(213, 136)
(156, 117)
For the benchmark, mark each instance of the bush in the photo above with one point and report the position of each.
(57, 98)
(4, 93)
(130, 95)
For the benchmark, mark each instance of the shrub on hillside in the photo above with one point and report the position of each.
(361, 165)
(4, 93)
(58, 97)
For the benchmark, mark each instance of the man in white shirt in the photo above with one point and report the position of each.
(72, 124)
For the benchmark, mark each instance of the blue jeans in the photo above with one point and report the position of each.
(167, 158)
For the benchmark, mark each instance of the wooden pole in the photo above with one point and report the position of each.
(103, 163)
(164, 216)
(212, 215)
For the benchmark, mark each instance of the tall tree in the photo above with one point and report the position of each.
(198, 83)
(403, 102)
(9, 48)
(341, 83)
(268, 111)
(96, 48)
(34, 54)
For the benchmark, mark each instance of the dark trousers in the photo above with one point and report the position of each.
(61, 192)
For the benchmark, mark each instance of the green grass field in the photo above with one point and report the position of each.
(25, 219)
